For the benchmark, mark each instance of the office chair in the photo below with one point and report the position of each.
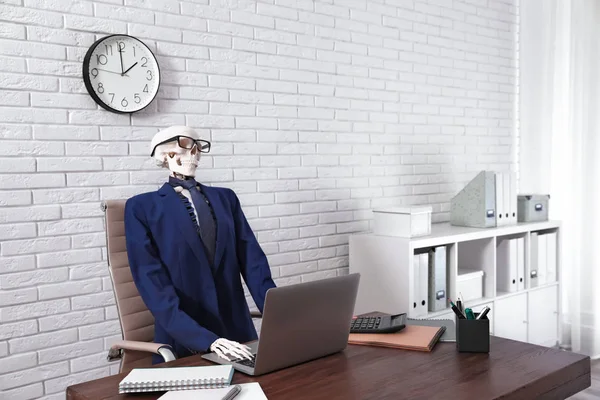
(137, 323)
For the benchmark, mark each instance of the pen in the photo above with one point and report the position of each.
(483, 313)
(454, 305)
(469, 313)
(457, 311)
(233, 392)
(459, 304)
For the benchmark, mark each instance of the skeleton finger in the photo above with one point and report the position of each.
(239, 353)
(231, 350)
(220, 353)
(245, 350)
(235, 350)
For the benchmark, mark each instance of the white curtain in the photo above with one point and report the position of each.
(559, 146)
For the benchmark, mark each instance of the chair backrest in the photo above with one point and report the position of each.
(137, 323)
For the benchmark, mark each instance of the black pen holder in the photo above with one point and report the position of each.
(473, 335)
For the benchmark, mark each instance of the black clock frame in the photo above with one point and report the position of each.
(88, 82)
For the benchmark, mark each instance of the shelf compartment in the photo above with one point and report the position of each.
(543, 257)
(477, 255)
(424, 289)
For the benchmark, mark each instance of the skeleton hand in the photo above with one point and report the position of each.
(223, 347)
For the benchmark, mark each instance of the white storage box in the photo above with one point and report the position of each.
(402, 221)
(533, 207)
(469, 283)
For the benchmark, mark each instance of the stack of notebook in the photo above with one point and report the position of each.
(178, 378)
(412, 337)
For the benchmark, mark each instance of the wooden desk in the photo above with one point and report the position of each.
(512, 370)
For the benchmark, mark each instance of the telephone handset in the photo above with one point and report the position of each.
(379, 324)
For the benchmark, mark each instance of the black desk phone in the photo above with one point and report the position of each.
(379, 324)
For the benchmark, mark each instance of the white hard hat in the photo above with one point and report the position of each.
(170, 133)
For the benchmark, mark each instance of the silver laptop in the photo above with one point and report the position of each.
(300, 323)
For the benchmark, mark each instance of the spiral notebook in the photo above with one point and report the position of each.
(178, 378)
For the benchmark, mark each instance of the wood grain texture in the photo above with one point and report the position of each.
(512, 370)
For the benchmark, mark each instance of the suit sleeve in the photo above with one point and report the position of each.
(253, 261)
(154, 284)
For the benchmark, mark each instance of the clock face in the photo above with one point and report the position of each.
(121, 73)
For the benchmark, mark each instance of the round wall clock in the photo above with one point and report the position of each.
(121, 73)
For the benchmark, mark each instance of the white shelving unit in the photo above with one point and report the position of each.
(529, 315)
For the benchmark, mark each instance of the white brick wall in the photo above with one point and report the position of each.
(318, 112)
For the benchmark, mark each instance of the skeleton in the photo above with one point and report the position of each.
(182, 163)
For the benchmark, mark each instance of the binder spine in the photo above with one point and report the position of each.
(500, 219)
(414, 289)
(160, 386)
(437, 279)
(424, 284)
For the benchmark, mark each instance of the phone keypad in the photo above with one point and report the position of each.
(362, 323)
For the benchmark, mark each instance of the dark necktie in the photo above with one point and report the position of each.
(206, 222)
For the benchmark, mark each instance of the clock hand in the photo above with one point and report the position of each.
(129, 68)
(112, 72)
(121, 57)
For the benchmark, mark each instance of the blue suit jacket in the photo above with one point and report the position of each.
(195, 303)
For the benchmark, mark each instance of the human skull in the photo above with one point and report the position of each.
(169, 154)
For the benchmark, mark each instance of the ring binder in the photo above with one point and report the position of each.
(178, 378)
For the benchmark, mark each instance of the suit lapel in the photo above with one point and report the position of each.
(217, 206)
(183, 221)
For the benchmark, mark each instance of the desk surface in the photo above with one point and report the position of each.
(512, 370)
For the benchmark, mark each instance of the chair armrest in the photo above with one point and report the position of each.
(164, 350)
(255, 314)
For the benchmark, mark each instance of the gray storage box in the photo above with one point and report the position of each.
(533, 207)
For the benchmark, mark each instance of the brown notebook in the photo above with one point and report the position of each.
(412, 337)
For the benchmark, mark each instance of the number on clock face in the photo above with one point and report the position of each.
(121, 73)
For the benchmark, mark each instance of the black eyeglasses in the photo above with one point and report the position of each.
(186, 142)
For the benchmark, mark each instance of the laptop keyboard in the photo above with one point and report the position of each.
(245, 362)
